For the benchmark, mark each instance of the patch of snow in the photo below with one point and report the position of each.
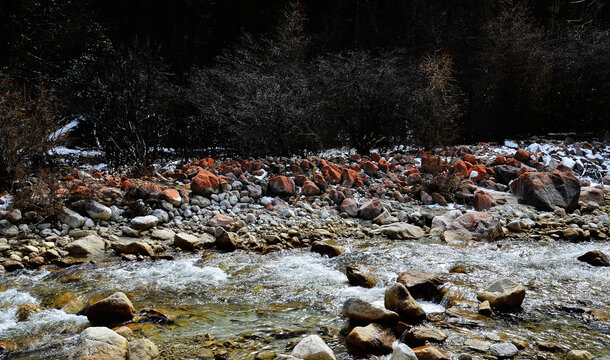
(62, 150)
(568, 162)
(473, 174)
(511, 144)
(7, 200)
(261, 177)
(64, 130)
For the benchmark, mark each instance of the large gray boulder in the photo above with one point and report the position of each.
(503, 295)
(71, 218)
(313, 348)
(142, 349)
(401, 231)
(96, 343)
(545, 191)
(97, 211)
(86, 246)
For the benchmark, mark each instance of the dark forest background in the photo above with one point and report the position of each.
(248, 78)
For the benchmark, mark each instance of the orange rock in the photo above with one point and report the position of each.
(331, 174)
(205, 184)
(499, 160)
(513, 162)
(369, 168)
(82, 191)
(384, 165)
(429, 352)
(282, 186)
(375, 157)
(522, 155)
(350, 178)
(172, 196)
(481, 172)
(310, 189)
(469, 157)
(152, 188)
(97, 175)
(318, 179)
(483, 200)
(460, 168)
(355, 157)
(299, 180)
(126, 184)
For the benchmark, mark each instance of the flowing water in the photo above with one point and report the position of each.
(265, 302)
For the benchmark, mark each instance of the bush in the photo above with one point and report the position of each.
(28, 130)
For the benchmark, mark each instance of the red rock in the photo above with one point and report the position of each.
(221, 220)
(499, 160)
(460, 168)
(331, 174)
(547, 190)
(152, 189)
(305, 164)
(432, 164)
(481, 172)
(205, 184)
(522, 155)
(375, 157)
(172, 196)
(97, 175)
(414, 179)
(369, 168)
(318, 179)
(355, 157)
(295, 168)
(310, 189)
(282, 186)
(384, 165)
(513, 162)
(469, 158)
(371, 209)
(483, 200)
(350, 207)
(350, 178)
(82, 191)
(299, 180)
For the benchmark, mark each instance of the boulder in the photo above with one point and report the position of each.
(422, 285)
(71, 218)
(545, 191)
(7, 229)
(398, 299)
(135, 248)
(86, 246)
(186, 241)
(97, 211)
(483, 200)
(579, 355)
(505, 173)
(12, 265)
(313, 348)
(221, 220)
(478, 224)
(97, 343)
(113, 310)
(361, 311)
(370, 209)
(172, 196)
(401, 231)
(359, 276)
(142, 349)
(591, 193)
(326, 247)
(595, 258)
(402, 352)
(226, 241)
(430, 352)
(371, 339)
(350, 207)
(503, 295)
(206, 184)
(310, 189)
(282, 186)
(144, 222)
(503, 350)
(418, 336)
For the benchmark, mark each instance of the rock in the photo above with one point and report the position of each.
(592, 194)
(135, 248)
(370, 209)
(98, 211)
(310, 189)
(313, 348)
(503, 350)
(477, 223)
(402, 352)
(8, 230)
(477, 345)
(548, 190)
(162, 234)
(142, 349)
(86, 246)
(398, 299)
(97, 343)
(595, 258)
(350, 207)
(505, 173)
(549, 346)
(484, 308)
(71, 218)
(514, 225)
(161, 215)
(186, 241)
(12, 265)
(24, 311)
(420, 335)
(14, 216)
(226, 241)
(282, 186)
(111, 311)
(430, 352)
(483, 201)
(371, 339)
(522, 155)
(361, 311)
(254, 191)
(359, 276)
(579, 355)
(503, 295)
(401, 231)
(422, 285)
(206, 184)
(439, 199)
(326, 247)
(172, 196)
(144, 222)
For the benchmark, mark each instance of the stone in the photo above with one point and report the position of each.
(162, 234)
(144, 222)
(310, 189)
(221, 220)
(14, 216)
(503, 350)
(503, 295)
(313, 347)
(226, 241)
(429, 352)
(514, 225)
(371, 339)
(595, 258)
(422, 285)
(326, 247)
(479, 224)
(171, 196)
(11, 265)
(254, 191)
(402, 352)
(477, 345)
(592, 194)
(398, 299)
(483, 200)
(97, 343)
(134, 248)
(86, 246)
(401, 231)
(359, 276)
(545, 191)
(282, 186)
(370, 209)
(71, 218)
(206, 184)
(420, 335)
(484, 308)
(579, 355)
(142, 349)
(186, 241)
(350, 207)
(505, 173)
(97, 211)
(113, 310)
(161, 215)
(361, 311)
(24, 311)
(8, 230)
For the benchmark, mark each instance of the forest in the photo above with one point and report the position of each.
(243, 78)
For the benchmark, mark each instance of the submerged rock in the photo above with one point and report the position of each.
(430, 352)
(503, 295)
(142, 349)
(113, 310)
(326, 247)
(97, 343)
(420, 335)
(359, 276)
(595, 258)
(579, 355)
(371, 339)
(313, 348)
(364, 312)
